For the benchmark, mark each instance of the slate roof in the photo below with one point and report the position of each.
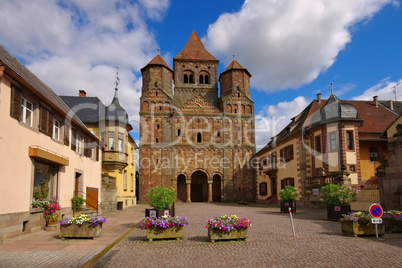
(88, 109)
(27, 79)
(194, 50)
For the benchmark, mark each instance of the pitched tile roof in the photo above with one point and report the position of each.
(234, 65)
(375, 121)
(194, 50)
(24, 76)
(158, 60)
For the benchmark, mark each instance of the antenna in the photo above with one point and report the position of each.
(394, 89)
(117, 77)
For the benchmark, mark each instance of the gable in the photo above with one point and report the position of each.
(199, 105)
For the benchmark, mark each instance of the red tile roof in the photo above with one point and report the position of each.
(194, 50)
(158, 60)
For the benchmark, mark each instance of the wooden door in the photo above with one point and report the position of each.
(92, 198)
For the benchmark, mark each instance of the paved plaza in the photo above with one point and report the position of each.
(270, 243)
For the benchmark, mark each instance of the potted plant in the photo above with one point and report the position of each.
(227, 228)
(162, 199)
(76, 203)
(164, 227)
(41, 192)
(288, 197)
(359, 223)
(338, 199)
(51, 214)
(82, 226)
(393, 221)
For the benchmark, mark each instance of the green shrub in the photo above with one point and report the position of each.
(77, 202)
(334, 194)
(161, 197)
(288, 194)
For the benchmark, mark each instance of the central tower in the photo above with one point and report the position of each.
(191, 138)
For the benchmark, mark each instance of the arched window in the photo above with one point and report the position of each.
(178, 132)
(156, 93)
(206, 79)
(185, 79)
(218, 134)
(191, 80)
(199, 137)
(156, 140)
(201, 79)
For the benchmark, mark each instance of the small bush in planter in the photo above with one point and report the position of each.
(162, 197)
(77, 202)
(288, 194)
(334, 194)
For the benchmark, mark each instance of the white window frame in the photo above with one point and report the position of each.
(78, 144)
(120, 146)
(125, 181)
(111, 140)
(56, 129)
(26, 111)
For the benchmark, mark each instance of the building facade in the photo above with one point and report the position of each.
(194, 136)
(330, 141)
(110, 124)
(41, 140)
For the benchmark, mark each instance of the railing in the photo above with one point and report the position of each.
(322, 180)
(82, 193)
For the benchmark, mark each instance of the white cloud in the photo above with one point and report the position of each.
(273, 118)
(74, 45)
(385, 90)
(287, 43)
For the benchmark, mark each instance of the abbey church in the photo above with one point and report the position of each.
(195, 136)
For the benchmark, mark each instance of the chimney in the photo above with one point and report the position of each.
(391, 104)
(376, 100)
(82, 93)
(319, 97)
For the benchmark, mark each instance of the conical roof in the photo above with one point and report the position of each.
(194, 50)
(114, 112)
(234, 65)
(158, 60)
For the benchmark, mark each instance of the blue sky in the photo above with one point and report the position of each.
(293, 49)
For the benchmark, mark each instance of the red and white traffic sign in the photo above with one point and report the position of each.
(375, 210)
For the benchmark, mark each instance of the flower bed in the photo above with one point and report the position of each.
(83, 226)
(164, 227)
(227, 227)
(393, 221)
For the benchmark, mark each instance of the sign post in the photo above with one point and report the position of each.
(291, 221)
(376, 212)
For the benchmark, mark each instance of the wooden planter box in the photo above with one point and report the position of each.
(80, 231)
(392, 226)
(162, 233)
(334, 213)
(286, 205)
(355, 228)
(217, 234)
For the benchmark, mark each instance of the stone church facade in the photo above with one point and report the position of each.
(193, 137)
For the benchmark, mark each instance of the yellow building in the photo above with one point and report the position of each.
(329, 141)
(110, 124)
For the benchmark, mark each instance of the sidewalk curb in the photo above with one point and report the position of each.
(101, 254)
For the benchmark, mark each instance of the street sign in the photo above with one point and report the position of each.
(375, 211)
(376, 220)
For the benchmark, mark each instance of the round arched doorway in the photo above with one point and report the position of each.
(199, 187)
